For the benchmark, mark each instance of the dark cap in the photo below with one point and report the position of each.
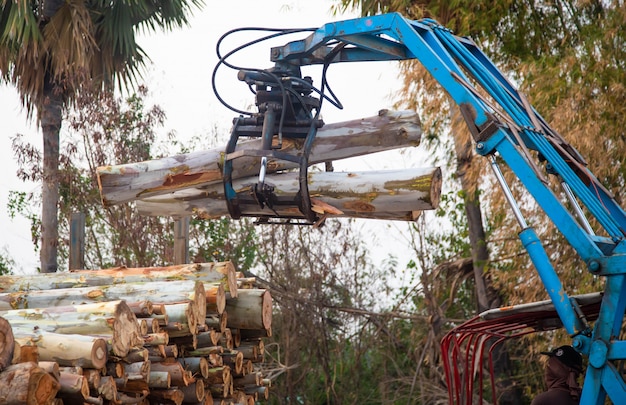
(568, 356)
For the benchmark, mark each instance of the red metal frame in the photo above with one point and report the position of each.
(463, 348)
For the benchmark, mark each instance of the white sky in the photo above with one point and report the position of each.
(180, 82)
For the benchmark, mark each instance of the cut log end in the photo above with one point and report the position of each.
(126, 333)
(99, 354)
(7, 344)
(267, 310)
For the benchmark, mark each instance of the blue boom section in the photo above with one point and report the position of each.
(505, 126)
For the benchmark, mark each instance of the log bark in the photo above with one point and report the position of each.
(66, 350)
(173, 395)
(160, 379)
(207, 272)
(198, 366)
(251, 310)
(215, 298)
(193, 393)
(234, 360)
(27, 384)
(388, 194)
(179, 376)
(107, 388)
(128, 182)
(113, 319)
(74, 387)
(7, 344)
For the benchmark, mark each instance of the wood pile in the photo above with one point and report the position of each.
(186, 334)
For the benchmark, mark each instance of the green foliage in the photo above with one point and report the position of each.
(104, 130)
(222, 240)
(20, 203)
(7, 264)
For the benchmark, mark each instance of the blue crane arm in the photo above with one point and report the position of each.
(506, 128)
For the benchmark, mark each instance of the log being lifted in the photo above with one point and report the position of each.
(128, 182)
(388, 194)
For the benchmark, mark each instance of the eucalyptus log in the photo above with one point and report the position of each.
(113, 319)
(73, 387)
(28, 384)
(193, 393)
(258, 392)
(210, 338)
(252, 309)
(139, 368)
(248, 379)
(7, 344)
(217, 322)
(180, 377)
(135, 355)
(205, 351)
(215, 298)
(252, 334)
(94, 377)
(198, 366)
(226, 339)
(385, 194)
(156, 339)
(159, 379)
(234, 360)
(66, 350)
(128, 182)
(183, 314)
(206, 272)
(51, 367)
(218, 375)
(173, 395)
(107, 388)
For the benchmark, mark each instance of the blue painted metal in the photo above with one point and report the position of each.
(506, 126)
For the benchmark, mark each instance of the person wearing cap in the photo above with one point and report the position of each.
(562, 371)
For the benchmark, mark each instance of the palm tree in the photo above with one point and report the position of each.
(51, 50)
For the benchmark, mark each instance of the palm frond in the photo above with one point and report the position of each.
(69, 41)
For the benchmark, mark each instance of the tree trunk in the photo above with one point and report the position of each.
(486, 296)
(50, 115)
(389, 194)
(27, 384)
(128, 182)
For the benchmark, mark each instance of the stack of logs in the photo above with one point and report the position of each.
(187, 334)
